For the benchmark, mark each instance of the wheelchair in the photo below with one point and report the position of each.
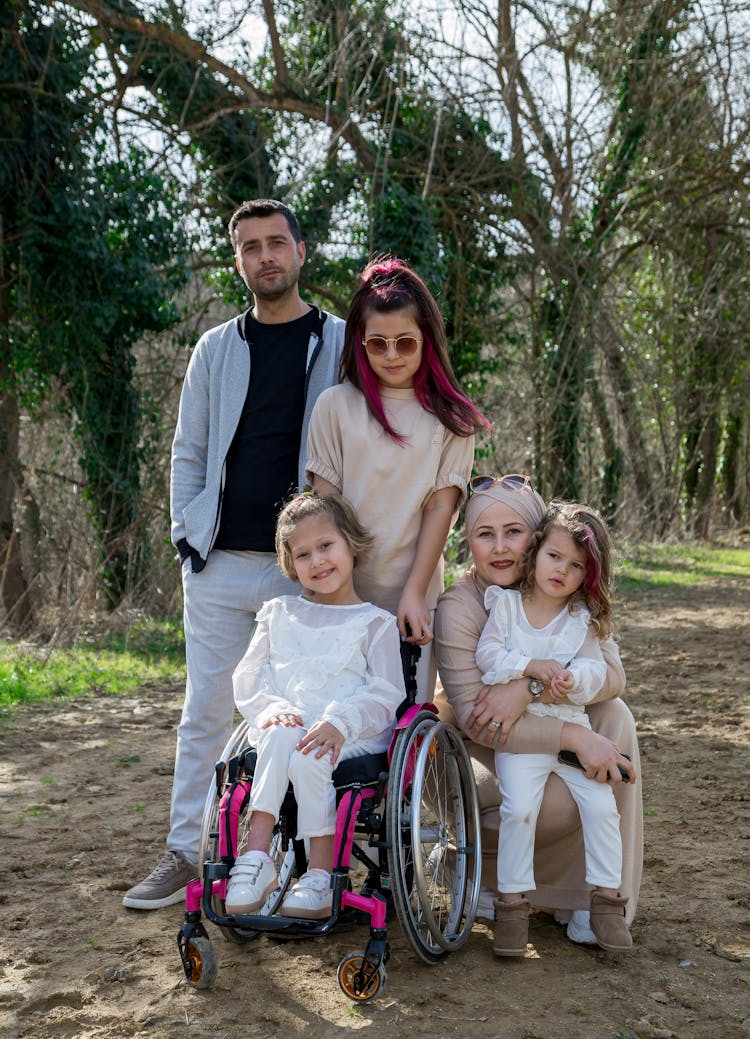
(409, 821)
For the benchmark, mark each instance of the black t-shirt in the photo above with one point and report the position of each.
(263, 459)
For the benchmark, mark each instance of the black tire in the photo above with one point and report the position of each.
(348, 968)
(433, 837)
(204, 963)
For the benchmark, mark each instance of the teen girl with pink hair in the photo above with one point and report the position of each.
(396, 438)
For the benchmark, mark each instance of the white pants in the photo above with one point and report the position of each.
(522, 778)
(278, 765)
(220, 604)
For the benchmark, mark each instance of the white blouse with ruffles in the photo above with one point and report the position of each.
(509, 641)
(339, 664)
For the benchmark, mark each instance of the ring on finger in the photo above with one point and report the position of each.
(495, 724)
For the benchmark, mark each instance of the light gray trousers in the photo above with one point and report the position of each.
(220, 604)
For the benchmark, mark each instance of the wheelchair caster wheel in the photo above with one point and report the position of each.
(346, 974)
(204, 963)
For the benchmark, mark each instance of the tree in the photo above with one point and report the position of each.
(568, 179)
(91, 254)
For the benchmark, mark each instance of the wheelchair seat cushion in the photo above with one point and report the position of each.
(366, 768)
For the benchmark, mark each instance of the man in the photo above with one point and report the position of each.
(238, 452)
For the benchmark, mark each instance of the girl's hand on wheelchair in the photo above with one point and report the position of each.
(325, 737)
(283, 718)
(413, 617)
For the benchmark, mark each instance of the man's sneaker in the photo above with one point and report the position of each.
(165, 885)
(251, 881)
(311, 897)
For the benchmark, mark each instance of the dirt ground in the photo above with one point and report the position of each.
(85, 788)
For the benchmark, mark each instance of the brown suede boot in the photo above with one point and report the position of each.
(511, 928)
(608, 922)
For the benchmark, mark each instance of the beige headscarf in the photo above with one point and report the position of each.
(524, 501)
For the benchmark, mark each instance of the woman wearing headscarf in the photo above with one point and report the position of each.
(500, 517)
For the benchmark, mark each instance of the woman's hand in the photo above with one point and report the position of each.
(413, 617)
(325, 737)
(599, 756)
(496, 710)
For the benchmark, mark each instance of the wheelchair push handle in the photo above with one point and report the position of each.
(410, 654)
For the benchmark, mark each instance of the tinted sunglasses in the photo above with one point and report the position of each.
(405, 346)
(511, 482)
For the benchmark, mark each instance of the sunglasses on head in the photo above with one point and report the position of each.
(511, 482)
(405, 346)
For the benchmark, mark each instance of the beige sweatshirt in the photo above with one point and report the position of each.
(388, 483)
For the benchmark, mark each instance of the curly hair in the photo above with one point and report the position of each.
(590, 534)
(338, 510)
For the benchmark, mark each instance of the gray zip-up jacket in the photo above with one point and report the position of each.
(211, 403)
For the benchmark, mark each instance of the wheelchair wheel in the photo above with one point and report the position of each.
(209, 844)
(204, 964)
(433, 837)
(348, 969)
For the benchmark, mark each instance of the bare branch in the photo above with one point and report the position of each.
(282, 99)
(279, 61)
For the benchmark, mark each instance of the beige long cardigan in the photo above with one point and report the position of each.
(559, 867)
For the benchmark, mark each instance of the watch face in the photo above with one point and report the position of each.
(536, 687)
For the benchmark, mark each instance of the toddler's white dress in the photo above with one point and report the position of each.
(508, 642)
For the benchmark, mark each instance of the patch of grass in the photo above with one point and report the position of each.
(656, 566)
(149, 652)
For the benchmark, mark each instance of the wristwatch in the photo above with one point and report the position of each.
(536, 688)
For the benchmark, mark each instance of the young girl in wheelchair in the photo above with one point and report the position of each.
(320, 683)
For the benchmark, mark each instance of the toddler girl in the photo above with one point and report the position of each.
(550, 632)
(320, 682)
(396, 437)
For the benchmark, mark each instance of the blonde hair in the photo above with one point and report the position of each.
(589, 533)
(332, 506)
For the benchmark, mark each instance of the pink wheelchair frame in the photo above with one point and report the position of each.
(425, 856)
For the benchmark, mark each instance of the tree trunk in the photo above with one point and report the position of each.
(14, 590)
(108, 410)
(566, 364)
(612, 467)
(732, 470)
(704, 499)
(625, 397)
